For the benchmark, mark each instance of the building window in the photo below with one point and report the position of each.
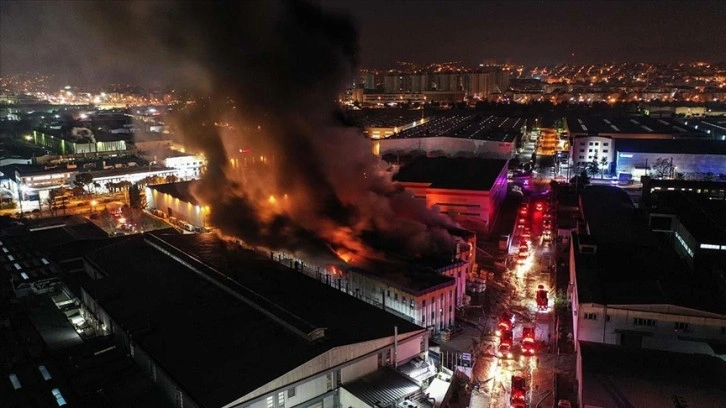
(329, 381)
(291, 392)
(389, 294)
(606, 144)
(269, 402)
(590, 316)
(395, 296)
(582, 150)
(643, 322)
(604, 150)
(681, 326)
(589, 157)
(597, 143)
(589, 150)
(412, 303)
(607, 318)
(591, 143)
(581, 157)
(281, 399)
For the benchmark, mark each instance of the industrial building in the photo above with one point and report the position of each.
(469, 190)
(176, 200)
(466, 135)
(80, 141)
(689, 157)
(214, 325)
(628, 286)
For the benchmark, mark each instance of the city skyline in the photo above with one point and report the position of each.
(64, 40)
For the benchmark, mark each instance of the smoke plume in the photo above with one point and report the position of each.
(284, 172)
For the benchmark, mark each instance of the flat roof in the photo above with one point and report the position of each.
(154, 295)
(452, 173)
(180, 189)
(467, 126)
(634, 377)
(671, 146)
(593, 125)
(384, 118)
(705, 219)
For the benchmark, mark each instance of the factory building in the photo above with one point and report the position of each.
(464, 135)
(469, 190)
(176, 201)
(630, 287)
(80, 141)
(214, 325)
(691, 158)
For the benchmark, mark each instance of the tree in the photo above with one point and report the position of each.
(662, 167)
(58, 198)
(83, 180)
(604, 166)
(593, 167)
(136, 199)
(172, 178)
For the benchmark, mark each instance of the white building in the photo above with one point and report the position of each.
(176, 200)
(585, 149)
(217, 326)
(187, 166)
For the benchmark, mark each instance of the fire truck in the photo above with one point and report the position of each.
(528, 342)
(541, 298)
(505, 344)
(518, 397)
(506, 322)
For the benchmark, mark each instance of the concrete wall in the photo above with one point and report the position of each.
(171, 206)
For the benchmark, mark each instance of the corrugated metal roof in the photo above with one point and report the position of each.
(382, 388)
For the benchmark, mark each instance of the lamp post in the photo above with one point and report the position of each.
(93, 205)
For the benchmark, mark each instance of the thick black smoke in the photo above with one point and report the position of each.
(283, 172)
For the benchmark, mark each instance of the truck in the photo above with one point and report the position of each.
(505, 345)
(518, 396)
(528, 341)
(541, 298)
(506, 322)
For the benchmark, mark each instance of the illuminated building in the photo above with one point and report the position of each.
(469, 190)
(176, 200)
(217, 326)
(688, 157)
(78, 144)
(464, 135)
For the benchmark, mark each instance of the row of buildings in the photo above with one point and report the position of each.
(163, 319)
(648, 286)
(631, 145)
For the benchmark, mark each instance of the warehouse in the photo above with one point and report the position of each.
(214, 325)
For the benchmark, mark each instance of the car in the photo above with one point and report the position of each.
(523, 211)
(522, 221)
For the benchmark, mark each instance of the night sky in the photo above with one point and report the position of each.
(57, 37)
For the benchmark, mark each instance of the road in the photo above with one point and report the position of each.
(520, 282)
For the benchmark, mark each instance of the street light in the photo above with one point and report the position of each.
(93, 205)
